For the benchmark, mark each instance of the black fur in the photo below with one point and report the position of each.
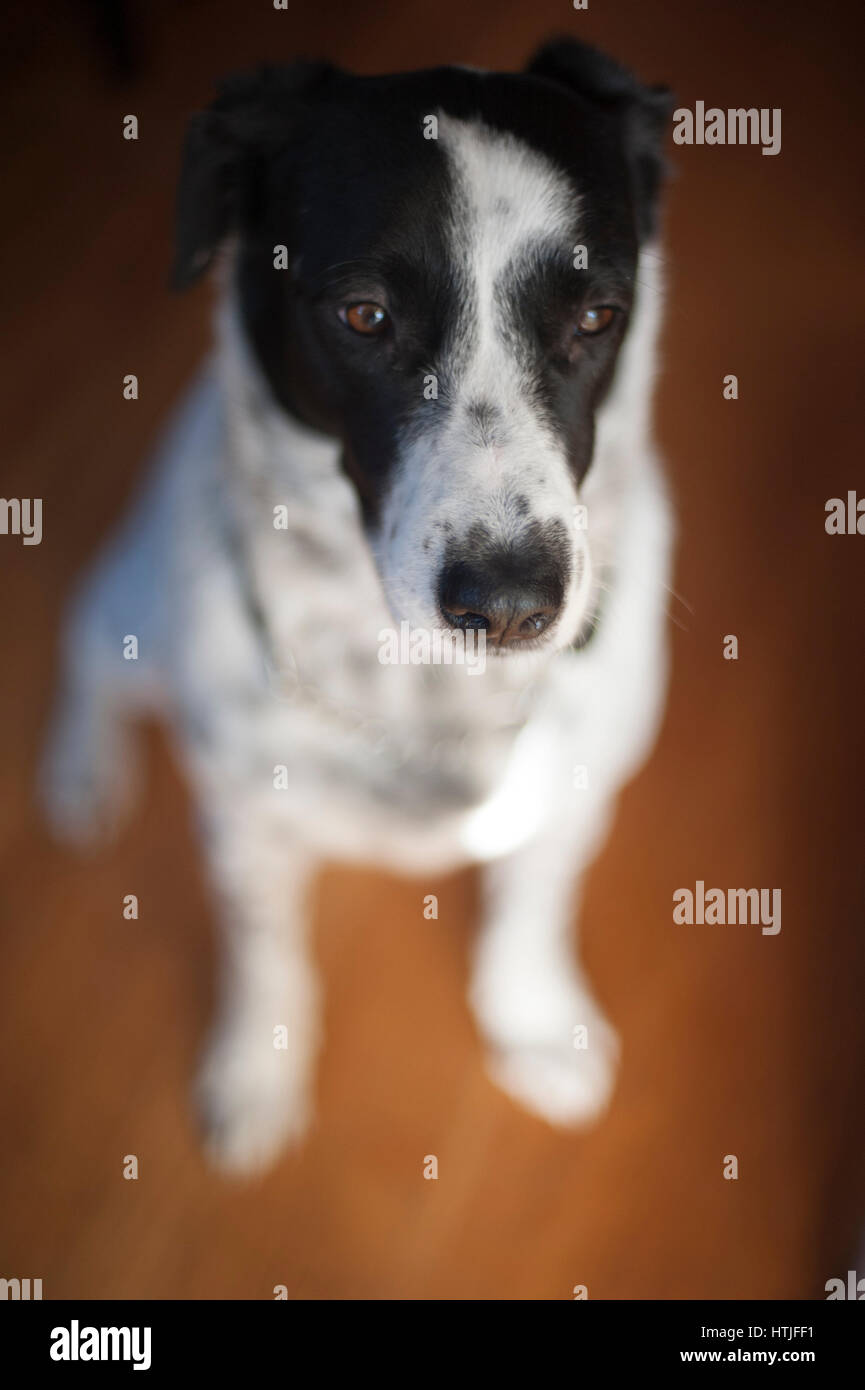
(335, 168)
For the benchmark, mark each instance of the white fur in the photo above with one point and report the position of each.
(455, 780)
(509, 202)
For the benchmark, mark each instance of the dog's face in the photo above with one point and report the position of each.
(457, 279)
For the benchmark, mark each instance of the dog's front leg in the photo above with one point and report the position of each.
(550, 1046)
(255, 1083)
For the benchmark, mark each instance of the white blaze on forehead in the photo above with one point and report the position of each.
(512, 474)
(510, 201)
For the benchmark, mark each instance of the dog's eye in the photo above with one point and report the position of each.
(366, 318)
(593, 321)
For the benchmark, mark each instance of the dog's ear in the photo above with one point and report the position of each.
(226, 149)
(642, 112)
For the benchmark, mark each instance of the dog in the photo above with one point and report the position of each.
(429, 404)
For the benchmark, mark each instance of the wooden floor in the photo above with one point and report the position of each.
(734, 1042)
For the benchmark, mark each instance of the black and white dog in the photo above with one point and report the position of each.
(429, 406)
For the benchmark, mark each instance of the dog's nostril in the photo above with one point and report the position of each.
(505, 620)
(508, 607)
(460, 617)
(535, 624)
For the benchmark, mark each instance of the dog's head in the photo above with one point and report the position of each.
(438, 269)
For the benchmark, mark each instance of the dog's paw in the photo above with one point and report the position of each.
(561, 1084)
(549, 1045)
(87, 782)
(252, 1102)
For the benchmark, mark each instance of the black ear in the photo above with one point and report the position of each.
(642, 112)
(226, 150)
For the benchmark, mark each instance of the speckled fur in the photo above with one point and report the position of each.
(486, 778)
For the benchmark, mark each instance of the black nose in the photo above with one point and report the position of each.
(507, 596)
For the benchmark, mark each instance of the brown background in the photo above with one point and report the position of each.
(733, 1042)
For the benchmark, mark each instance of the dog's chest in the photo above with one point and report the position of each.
(421, 740)
(372, 758)
(403, 777)
(435, 787)
(289, 695)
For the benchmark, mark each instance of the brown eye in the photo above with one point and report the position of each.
(366, 318)
(593, 321)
